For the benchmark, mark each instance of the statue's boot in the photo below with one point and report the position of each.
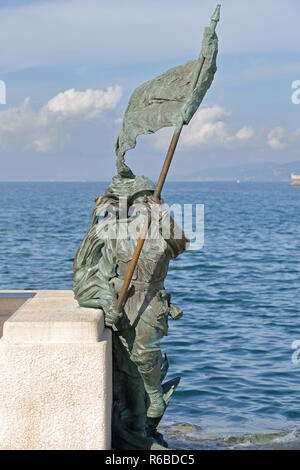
(151, 379)
(157, 404)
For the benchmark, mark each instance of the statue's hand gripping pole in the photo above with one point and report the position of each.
(123, 293)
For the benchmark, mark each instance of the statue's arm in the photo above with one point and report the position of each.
(106, 271)
(107, 295)
(173, 234)
(178, 241)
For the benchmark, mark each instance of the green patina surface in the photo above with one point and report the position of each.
(140, 397)
(170, 98)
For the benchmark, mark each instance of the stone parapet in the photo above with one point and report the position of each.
(55, 373)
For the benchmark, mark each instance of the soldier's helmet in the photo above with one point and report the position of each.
(129, 187)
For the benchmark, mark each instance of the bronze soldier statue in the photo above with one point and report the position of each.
(100, 266)
(125, 276)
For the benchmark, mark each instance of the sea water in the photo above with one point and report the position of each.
(235, 347)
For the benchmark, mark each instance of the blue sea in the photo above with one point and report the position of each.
(240, 388)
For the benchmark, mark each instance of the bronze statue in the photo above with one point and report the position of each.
(101, 267)
(124, 275)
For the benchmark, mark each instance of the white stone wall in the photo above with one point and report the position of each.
(55, 376)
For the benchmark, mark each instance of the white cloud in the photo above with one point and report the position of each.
(276, 138)
(245, 133)
(40, 130)
(208, 128)
(89, 104)
(280, 138)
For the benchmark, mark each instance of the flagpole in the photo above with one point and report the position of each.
(161, 180)
(144, 231)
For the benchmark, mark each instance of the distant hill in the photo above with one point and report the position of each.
(251, 172)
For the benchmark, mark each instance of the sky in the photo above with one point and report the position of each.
(70, 67)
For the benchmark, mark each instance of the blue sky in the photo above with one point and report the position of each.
(103, 50)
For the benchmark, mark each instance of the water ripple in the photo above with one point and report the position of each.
(240, 296)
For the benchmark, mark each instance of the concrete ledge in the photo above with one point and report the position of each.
(55, 375)
(53, 316)
(10, 302)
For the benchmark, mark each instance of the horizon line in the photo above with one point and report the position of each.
(236, 180)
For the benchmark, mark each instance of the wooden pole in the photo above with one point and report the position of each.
(144, 231)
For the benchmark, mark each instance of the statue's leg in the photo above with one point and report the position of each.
(129, 392)
(146, 354)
